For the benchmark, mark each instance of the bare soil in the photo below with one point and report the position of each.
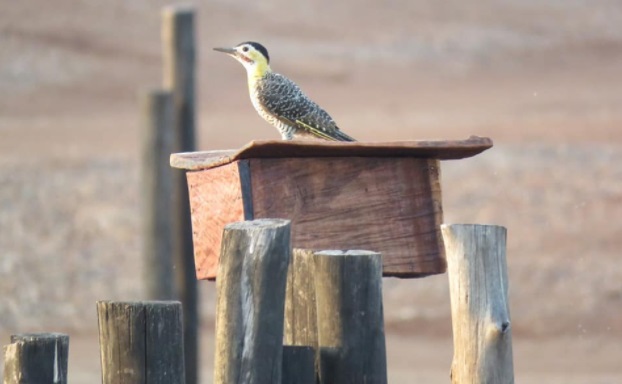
(541, 78)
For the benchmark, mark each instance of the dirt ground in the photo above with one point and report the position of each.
(541, 78)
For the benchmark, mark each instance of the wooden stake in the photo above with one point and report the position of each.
(350, 317)
(36, 358)
(252, 274)
(480, 313)
(141, 342)
(158, 122)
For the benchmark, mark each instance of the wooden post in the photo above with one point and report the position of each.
(300, 316)
(350, 317)
(158, 122)
(36, 358)
(141, 342)
(298, 365)
(179, 51)
(480, 313)
(300, 305)
(252, 274)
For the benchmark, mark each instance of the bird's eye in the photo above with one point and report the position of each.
(245, 48)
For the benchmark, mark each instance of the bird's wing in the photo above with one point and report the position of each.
(284, 99)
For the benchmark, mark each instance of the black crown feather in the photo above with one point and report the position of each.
(258, 47)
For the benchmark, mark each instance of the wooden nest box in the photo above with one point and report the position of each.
(384, 197)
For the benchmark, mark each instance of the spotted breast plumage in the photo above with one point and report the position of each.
(280, 101)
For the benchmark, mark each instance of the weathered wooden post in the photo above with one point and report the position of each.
(348, 288)
(251, 297)
(478, 283)
(141, 342)
(158, 122)
(179, 51)
(36, 358)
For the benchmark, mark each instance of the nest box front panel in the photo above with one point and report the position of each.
(389, 205)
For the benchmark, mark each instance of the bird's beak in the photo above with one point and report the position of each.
(230, 51)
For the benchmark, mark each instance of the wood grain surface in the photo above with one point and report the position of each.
(480, 310)
(252, 276)
(215, 201)
(389, 205)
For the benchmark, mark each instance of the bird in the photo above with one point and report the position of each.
(281, 102)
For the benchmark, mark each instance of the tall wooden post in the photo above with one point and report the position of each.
(350, 317)
(480, 313)
(141, 342)
(157, 145)
(36, 358)
(252, 274)
(179, 77)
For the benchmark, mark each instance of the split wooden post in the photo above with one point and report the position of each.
(36, 358)
(478, 283)
(141, 342)
(350, 317)
(158, 122)
(252, 274)
(179, 56)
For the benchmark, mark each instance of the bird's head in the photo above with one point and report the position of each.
(253, 56)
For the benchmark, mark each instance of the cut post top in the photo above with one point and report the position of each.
(428, 149)
(37, 336)
(258, 224)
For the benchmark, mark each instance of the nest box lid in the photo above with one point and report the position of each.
(431, 149)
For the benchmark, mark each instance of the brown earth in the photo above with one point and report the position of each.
(541, 78)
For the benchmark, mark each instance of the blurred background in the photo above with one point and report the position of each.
(542, 78)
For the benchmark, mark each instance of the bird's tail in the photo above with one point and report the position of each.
(340, 136)
(334, 135)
